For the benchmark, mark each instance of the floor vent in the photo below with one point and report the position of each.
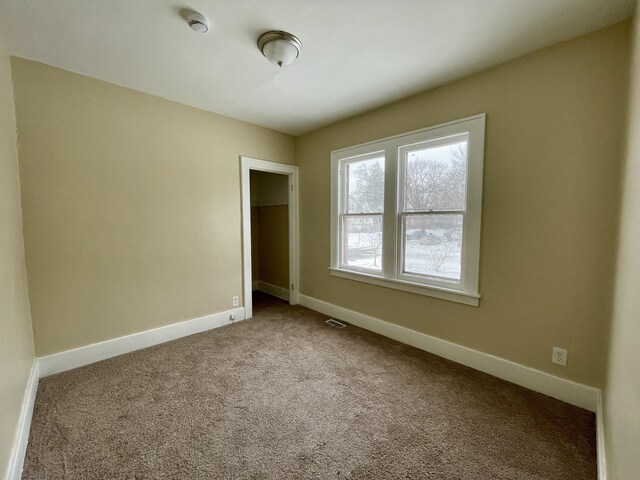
(335, 323)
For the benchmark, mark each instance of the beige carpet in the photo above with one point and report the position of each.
(284, 396)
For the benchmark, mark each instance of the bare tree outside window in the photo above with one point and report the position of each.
(364, 241)
(436, 183)
(372, 238)
(437, 255)
(435, 180)
(431, 183)
(366, 186)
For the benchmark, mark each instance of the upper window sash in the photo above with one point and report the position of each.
(403, 160)
(344, 165)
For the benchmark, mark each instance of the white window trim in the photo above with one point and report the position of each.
(467, 291)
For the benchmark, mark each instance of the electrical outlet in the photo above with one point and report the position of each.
(559, 356)
(235, 302)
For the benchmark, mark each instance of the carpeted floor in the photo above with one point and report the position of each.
(285, 396)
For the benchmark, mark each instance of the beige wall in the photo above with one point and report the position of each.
(131, 206)
(16, 342)
(268, 188)
(555, 129)
(255, 258)
(622, 392)
(273, 245)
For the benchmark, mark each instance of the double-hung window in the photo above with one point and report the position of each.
(362, 216)
(406, 211)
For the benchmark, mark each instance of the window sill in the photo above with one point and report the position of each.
(428, 290)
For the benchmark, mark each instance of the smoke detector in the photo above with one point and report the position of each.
(198, 22)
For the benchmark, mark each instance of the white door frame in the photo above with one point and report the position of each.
(246, 165)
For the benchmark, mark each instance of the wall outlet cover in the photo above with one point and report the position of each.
(559, 356)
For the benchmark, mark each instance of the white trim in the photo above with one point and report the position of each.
(566, 390)
(78, 357)
(274, 290)
(254, 285)
(246, 165)
(420, 289)
(600, 445)
(400, 135)
(21, 437)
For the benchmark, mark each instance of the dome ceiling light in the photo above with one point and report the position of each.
(280, 48)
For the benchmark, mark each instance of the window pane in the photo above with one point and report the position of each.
(433, 245)
(365, 186)
(436, 177)
(362, 241)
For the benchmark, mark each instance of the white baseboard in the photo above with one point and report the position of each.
(21, 438)
(78, 357)
(274, 290)
(602, 460)
(254, 285)
(566, 390)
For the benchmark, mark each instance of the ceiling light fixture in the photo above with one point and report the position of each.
(280, 48)
(198, 22)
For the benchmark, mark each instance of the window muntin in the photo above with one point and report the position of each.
(426, 231)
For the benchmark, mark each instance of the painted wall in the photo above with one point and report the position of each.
(270, 228)
(273, 245)
(131, 206)
(268, 189)
(16, 341)
(555, 130)
(255, 258)
(622, 392)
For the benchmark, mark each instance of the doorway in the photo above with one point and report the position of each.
(272, 177)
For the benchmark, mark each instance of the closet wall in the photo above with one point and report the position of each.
(269, 229)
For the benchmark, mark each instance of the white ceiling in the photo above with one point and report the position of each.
(358, 54)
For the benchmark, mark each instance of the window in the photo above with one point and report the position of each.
(361, 222)
(406, 211)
